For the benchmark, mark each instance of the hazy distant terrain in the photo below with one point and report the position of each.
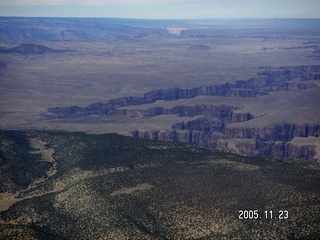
(265, 75)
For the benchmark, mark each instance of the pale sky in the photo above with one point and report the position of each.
(162, 9)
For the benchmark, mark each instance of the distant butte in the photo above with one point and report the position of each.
(26, 49)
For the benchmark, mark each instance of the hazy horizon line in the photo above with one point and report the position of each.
(161, 19)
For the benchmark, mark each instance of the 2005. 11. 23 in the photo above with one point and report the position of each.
(266, 214)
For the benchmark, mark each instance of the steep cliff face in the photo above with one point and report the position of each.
(273, 141)
(308, 148)
(303, 151)
(278, 132)
(240, 117)
(278, 149)
(281, 79)
(275, 149)
(242, 146)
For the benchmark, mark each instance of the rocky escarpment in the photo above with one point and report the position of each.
(275, 139)
(301, 73)
(110, 108)
(211, 130)
(272, 141)
(282, 132)
(210, 121)
(267, 81)
(308, 151)
(212, 124)
(283, 79)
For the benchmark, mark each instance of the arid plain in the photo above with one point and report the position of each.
(102, 70)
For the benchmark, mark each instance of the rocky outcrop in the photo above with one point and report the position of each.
(241, 146)
(213, 131)
(314, 76)
(193, 137)
(281, 79)
(279, 132)
(203, 124)
(276, 140)
(239, 117)
(276, 149)
(290, 73)
(302, 151)
(273, 141)
(111, 107)
(308, 148)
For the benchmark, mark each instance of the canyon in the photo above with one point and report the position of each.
(159, 129)
(216, 84)
(216, 125)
